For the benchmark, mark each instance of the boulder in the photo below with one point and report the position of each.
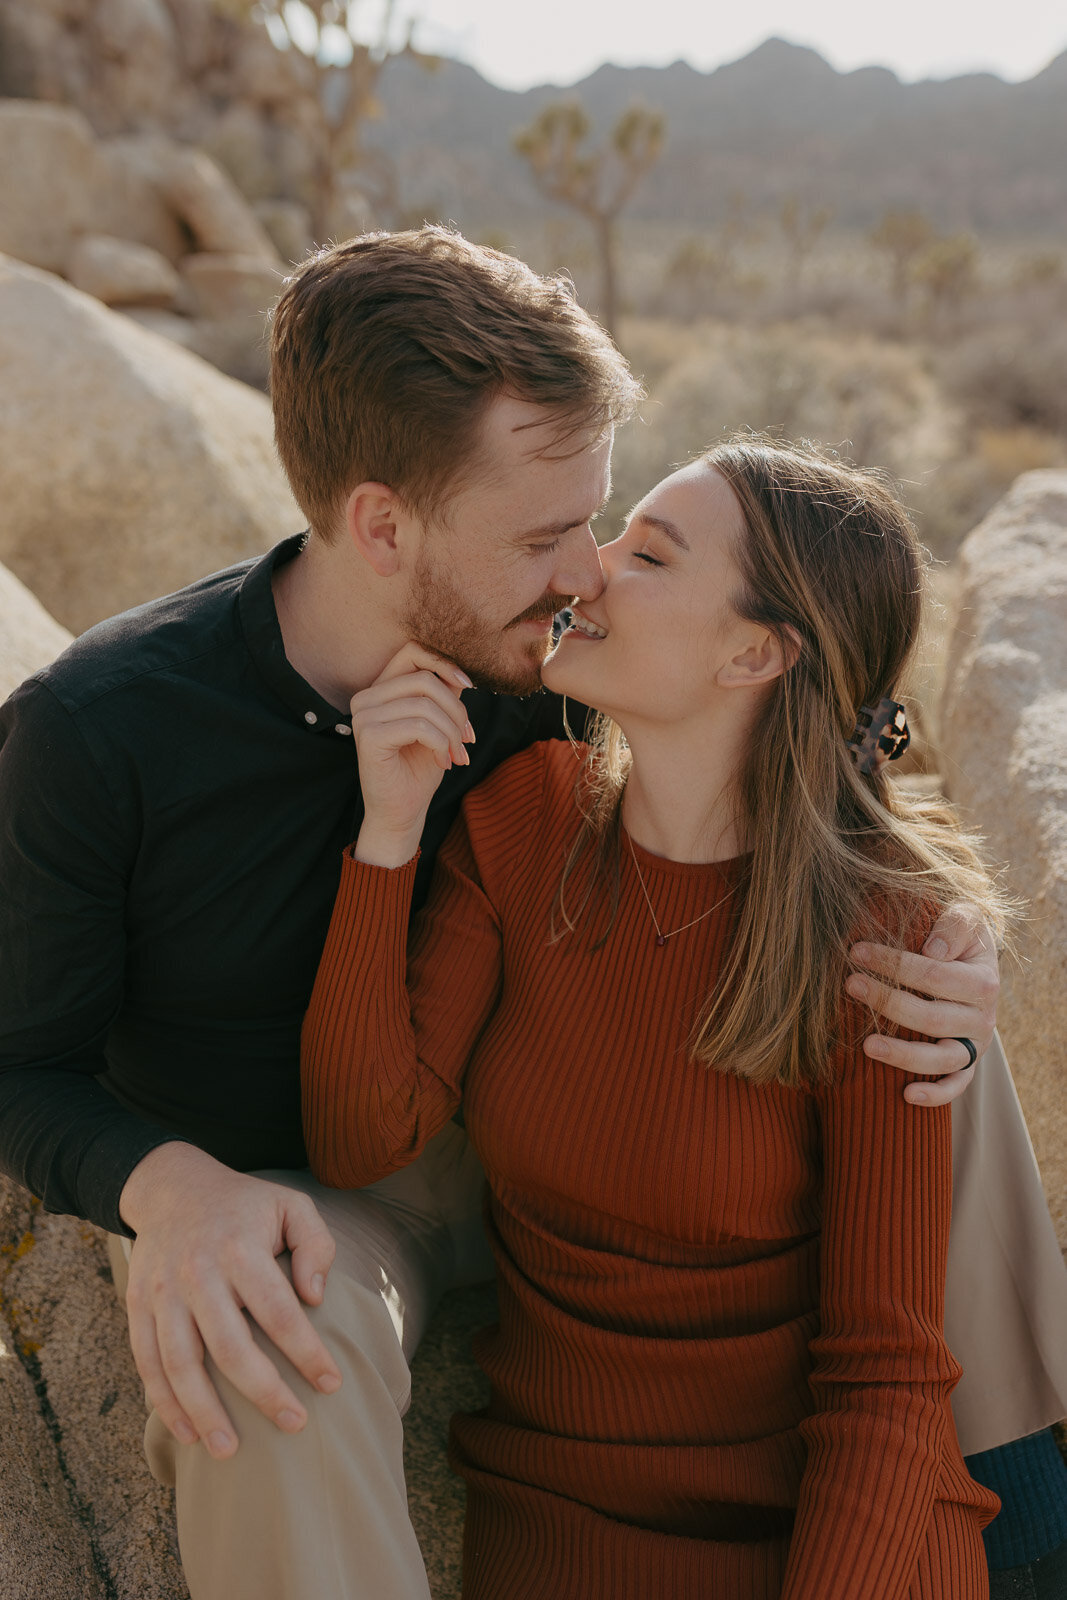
(167, 324)
(230, 285)
(45, 1546)
(121, 273)
(128, 466)
(1004, 738)
(132, 205)
(289, 226)
(51, 179)
(115, 60)
(211, 206)
(110, 1528)
(29, 639)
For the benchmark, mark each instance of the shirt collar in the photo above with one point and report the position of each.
(263, 637)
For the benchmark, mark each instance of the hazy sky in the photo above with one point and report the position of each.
(560, 41)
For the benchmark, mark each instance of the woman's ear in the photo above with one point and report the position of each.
(371, 514)
(761, 660)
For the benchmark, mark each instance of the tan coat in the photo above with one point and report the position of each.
(1006, 1289)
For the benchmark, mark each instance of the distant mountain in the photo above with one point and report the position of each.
(971, 152)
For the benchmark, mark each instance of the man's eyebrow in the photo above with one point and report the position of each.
(673, 533)
(555, 530)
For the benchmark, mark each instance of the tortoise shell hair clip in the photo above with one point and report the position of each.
(881, 734)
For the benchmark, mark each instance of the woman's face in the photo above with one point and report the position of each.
(653, 644)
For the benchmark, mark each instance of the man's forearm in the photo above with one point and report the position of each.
(70, 1142)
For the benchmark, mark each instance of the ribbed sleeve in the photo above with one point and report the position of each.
(882, 1371)
(384, 1044)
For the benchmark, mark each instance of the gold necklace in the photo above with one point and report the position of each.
(661, 937)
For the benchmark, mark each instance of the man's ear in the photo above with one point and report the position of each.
(372, 512)
(764, 658)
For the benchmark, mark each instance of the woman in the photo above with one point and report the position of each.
(720, 1232)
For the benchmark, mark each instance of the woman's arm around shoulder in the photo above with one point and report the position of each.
(882, 1372)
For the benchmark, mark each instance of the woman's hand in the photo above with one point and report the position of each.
(409, 727)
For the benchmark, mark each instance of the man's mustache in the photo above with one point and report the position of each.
(543, 610)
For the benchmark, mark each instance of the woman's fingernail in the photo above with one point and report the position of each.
(219, 1442)
(469, 733)
(329, 1383)
(937, 949)
(461, 677)
(318, 1285)
(919, 1098)
(289, 1421)
(857, 986)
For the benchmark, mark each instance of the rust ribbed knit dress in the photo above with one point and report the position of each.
(719, 1370)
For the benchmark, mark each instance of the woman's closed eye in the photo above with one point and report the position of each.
(643, 555)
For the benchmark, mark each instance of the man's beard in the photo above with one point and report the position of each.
(440, 618)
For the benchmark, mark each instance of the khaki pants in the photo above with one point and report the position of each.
(322, 1515)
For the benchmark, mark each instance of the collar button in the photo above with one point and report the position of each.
(310, 718)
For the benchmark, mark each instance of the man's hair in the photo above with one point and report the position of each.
(387, 350)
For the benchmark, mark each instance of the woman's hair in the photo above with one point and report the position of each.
(830, 563)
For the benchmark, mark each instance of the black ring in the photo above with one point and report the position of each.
(971, 1049)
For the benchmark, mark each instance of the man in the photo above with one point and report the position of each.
(176, 792)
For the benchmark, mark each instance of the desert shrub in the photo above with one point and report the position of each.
(956, 497)
(1011, 376)
(875, 402)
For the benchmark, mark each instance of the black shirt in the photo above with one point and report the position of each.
(174, 802)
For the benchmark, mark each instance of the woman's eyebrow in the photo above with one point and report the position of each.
(673, 533)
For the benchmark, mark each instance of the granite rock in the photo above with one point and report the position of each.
(211, 206)
(1003, 734)
(29, 638)
(129, 466)
(121, 273)
(51, 181)
(231, 285)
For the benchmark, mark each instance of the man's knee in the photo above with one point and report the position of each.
(356, 1325)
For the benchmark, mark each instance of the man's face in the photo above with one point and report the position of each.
(515, 546)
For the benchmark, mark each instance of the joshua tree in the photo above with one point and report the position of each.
(596, 182)
(902, 236)
(801, 230)
(948, 271)
(348, 67)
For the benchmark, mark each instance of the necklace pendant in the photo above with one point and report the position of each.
(660, 939)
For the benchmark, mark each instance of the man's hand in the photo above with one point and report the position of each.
(207, 1238)
(949, 992)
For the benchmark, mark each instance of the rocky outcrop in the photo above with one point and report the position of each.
(1004, 738)
(128, 466)
(145, 222)
(81, 1517)
(121, 273)
(106, 1528)
(29, 638)
(211, 206)
(50, 182)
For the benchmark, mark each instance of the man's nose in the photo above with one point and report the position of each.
(581, 573)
